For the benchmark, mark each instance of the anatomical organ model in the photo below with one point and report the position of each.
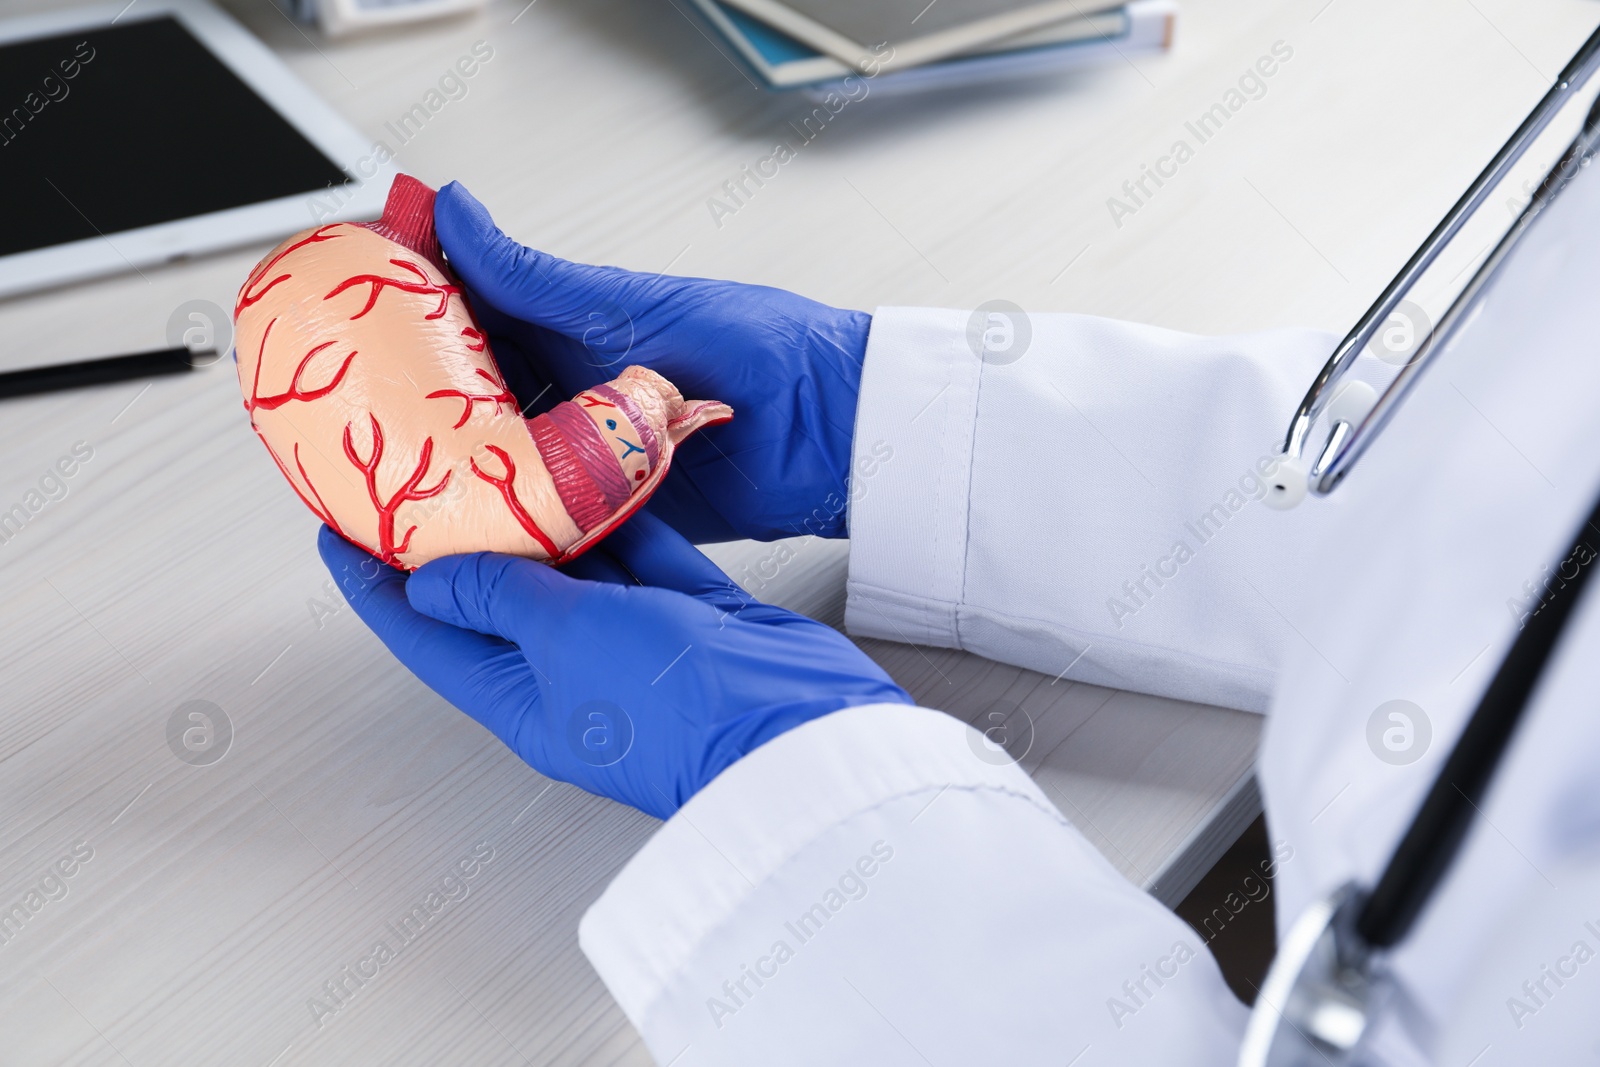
(367, 377)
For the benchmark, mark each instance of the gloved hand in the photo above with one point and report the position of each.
(638, 692)
(790, 367)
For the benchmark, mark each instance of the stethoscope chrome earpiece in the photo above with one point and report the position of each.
(1350, 436)
(1287, 486)
(1350, 405)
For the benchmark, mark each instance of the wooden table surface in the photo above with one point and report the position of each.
(208, 905)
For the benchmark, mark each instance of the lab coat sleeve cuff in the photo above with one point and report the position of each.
(706, 861)
(911, 469)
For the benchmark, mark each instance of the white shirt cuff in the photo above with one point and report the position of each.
(919, 399)
(698, 869)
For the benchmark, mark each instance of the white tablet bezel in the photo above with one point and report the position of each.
(360, 197)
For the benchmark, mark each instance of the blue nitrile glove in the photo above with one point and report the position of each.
(638, 692)
(790, 367)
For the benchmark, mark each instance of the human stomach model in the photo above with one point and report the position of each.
(366, 375)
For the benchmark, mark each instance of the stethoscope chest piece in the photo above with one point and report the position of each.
(1322, 992)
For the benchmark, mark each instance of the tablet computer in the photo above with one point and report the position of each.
(133, 135)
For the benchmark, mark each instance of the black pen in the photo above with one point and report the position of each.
(60, 376)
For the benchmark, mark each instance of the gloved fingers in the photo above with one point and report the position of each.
(598, 565)
(484, 676)
(657, 555)
(573, 299)
(684, 506)
(524, 601)
(367, 585)
(521, 355)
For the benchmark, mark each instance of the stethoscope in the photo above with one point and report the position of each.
(1328, 983)
(1356, 413)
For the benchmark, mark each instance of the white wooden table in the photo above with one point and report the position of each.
(217, 900)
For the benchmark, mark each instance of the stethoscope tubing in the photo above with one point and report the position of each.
(1347, 443)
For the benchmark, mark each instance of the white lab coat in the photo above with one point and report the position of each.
(866, 890)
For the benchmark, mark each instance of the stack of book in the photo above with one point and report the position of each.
(826, 44)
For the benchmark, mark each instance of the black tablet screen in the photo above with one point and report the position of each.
(132, 125)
